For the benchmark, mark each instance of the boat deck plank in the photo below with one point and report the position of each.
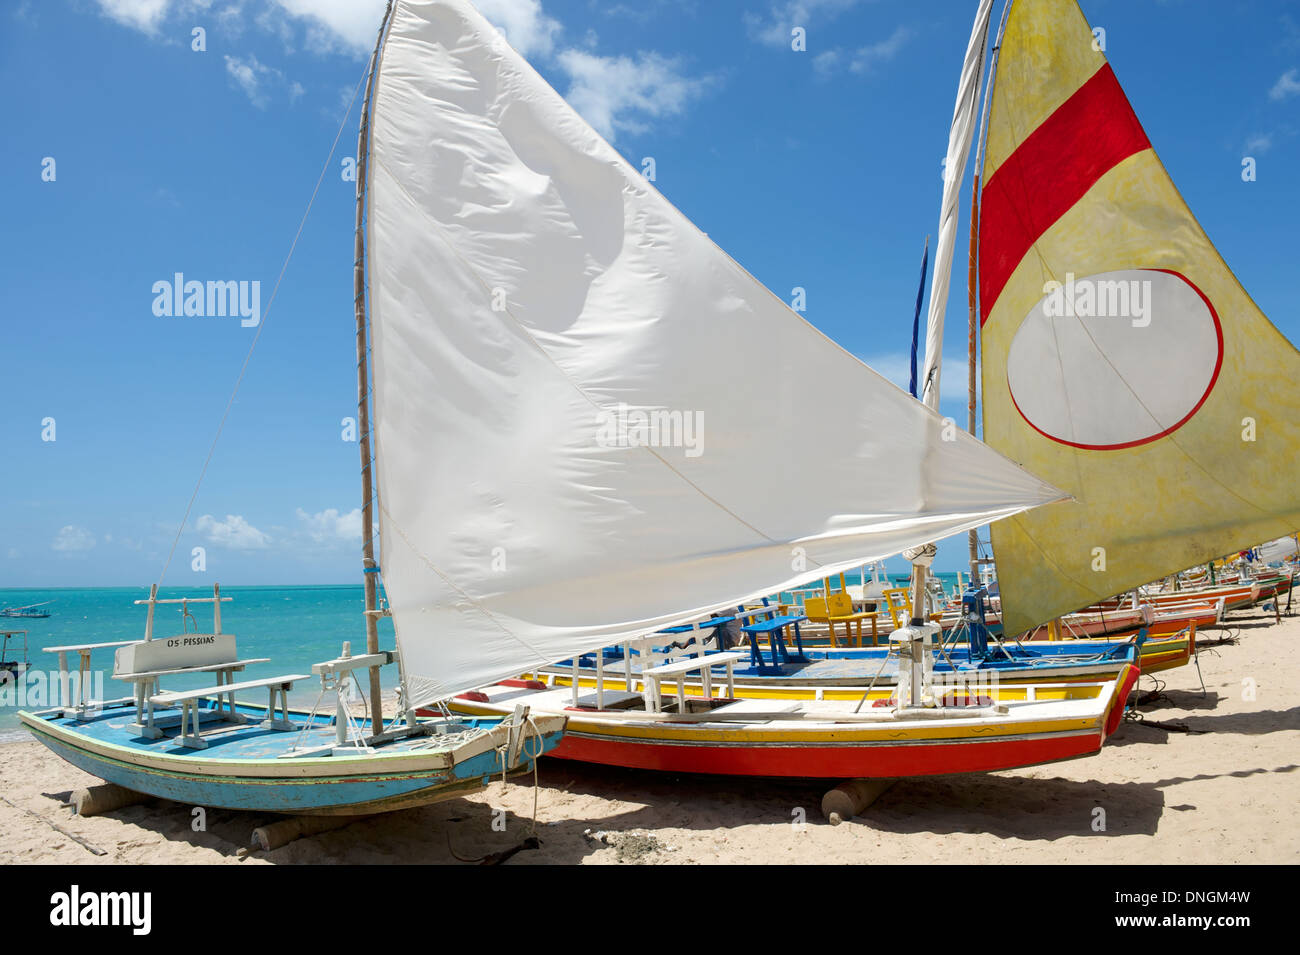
(231, 741)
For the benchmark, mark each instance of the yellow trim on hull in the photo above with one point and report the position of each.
(841, 734)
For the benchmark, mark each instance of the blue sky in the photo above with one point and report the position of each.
(816, 169)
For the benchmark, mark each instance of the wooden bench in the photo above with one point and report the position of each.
(145, 683)
(703, 664)
(703, 634)
(189, 703)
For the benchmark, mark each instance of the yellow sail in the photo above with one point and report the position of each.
(1123, 361)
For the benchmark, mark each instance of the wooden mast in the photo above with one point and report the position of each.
(972, 344)
(369, 567)
(972, 275)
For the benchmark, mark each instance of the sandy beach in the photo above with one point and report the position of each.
(1222, 793)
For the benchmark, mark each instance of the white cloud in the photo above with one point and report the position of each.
(1258, 143)
(773, 28)
(616, 93)
(330, 525)
(331, 25)
(826, 62)
(864, 58)
(144, 15)
(350, 25)
(147, 15)
(13, 553)
(251, 75)
(1288, 84)
(73, 539)
(233, 532)
(527, 28)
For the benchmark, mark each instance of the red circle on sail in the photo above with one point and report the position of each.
(1152, 378)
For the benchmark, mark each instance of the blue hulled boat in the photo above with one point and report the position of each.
(203, 747)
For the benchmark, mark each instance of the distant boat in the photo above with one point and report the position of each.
(30, 612)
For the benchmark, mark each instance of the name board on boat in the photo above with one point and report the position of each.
(174, 653)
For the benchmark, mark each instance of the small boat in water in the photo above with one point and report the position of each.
(30, 612)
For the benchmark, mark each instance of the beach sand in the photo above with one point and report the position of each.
(1225, 793)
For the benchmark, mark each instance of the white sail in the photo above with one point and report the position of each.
(531, 296)
(1276, 550)
(960, 135)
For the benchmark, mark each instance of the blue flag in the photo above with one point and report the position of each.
(916, 319)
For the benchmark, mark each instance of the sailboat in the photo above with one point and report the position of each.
(563, 469)
(574, 474)
(1122, 359)
(204, 747)
(31, 611)
(1147, 412)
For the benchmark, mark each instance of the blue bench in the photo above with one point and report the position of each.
(774, 627)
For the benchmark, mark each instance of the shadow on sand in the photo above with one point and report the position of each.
(1008, 807)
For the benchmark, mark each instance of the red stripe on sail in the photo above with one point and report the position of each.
(1088, 135)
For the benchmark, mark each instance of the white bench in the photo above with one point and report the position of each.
(189, 703)
(669, 647)
(145, 683)
(678, 669)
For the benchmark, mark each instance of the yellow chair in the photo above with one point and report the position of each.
(898, 601)
(814, 608)
(837, 609)
(840, 610)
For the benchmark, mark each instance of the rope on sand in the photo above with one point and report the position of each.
(93, 849)
(1169, 727)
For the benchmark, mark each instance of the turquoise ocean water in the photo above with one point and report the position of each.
(294, 626)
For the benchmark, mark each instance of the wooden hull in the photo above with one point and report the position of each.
(244, 771)
(1165, 652)
(848, 759)
(1097, 622)
(1234, 598)
(1073, 723)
